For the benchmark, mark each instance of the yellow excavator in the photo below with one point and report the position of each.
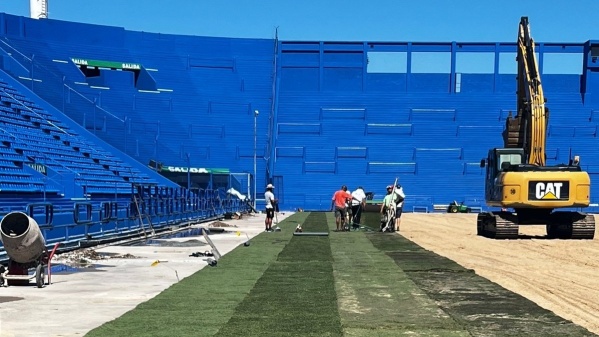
(517, 176)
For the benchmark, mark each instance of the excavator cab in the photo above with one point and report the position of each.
(499, 160)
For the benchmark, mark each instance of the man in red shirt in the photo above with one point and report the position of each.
(340, 199)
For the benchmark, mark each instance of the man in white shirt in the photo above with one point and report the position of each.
(269, 197)
(357, 204)
(399, 199)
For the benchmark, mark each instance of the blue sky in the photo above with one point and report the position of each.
(382, 20)
(337, 20)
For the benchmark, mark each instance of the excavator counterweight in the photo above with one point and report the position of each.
(517, 176)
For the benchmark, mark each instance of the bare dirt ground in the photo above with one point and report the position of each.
(558, 275)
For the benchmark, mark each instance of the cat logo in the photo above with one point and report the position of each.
(545, 190)
(548, 190)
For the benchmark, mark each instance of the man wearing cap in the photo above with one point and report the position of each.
(388, 203)
(394, 199)
(339, 200)
(269, 197)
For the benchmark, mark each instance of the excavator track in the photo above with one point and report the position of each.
(584, 228)
(571, 225)
(560, 225)
(504, 228)
(497, 225)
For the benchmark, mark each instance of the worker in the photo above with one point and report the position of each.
(386, 206)
(399, 199)
(339, 204)
(271, 203)
(394, 199)
(358, 203)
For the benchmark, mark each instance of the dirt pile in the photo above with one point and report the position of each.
(87, 257)
(221, 224)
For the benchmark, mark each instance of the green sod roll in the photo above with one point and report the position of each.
(311, 234)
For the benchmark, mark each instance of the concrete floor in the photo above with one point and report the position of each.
(76, 302)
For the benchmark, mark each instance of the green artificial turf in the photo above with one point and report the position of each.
(376, 298)
(355, 284)
(296, 295)
(203, 302)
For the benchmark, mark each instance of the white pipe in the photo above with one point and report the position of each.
(38, 9)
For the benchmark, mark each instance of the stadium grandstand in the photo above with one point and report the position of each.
(103, 128)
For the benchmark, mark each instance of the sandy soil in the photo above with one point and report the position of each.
(559, 275)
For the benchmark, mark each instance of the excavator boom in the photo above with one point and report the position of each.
(528, 129)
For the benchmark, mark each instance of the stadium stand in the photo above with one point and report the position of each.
(32, 136)
(78, 187)
(327, 116)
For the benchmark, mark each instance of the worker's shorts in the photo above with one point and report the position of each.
(398, 211)
(340, 212)
(270, 213)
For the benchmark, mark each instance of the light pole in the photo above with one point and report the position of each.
(188, 171)
(256, 112)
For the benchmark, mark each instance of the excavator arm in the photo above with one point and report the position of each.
(528, 130)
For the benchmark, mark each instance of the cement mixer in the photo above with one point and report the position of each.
(26, 249)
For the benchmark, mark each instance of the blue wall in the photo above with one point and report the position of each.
(327, 116)
(339, 121)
